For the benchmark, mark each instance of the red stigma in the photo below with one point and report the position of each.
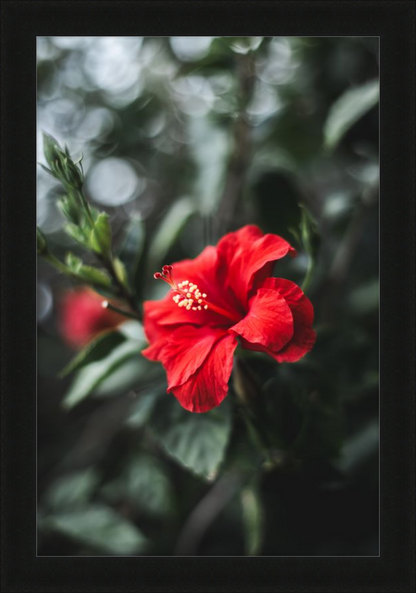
(165, 275)
(167, 271)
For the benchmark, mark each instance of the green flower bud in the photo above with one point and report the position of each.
(50, 146)
(70, 209)
(61, 164)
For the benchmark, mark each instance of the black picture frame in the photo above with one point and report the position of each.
(22, 22)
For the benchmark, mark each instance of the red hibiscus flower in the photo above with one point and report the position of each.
(82, 317)
(224, 295)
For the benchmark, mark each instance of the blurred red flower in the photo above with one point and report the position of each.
(82, 317)
(223, 294)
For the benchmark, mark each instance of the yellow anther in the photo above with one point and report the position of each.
(191, 296)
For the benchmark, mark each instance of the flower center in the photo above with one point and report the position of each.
(188, 295)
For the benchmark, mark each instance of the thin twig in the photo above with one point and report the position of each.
(204, 514)
(108, 263)
(107, 305)
(123, 291)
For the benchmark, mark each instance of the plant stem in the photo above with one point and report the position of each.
(309, 274)
(248, 392)
(107, 305)
(124, 292)
(54, 261)
(205, 512)
(84, 202)
(258, 438)
(108, 263)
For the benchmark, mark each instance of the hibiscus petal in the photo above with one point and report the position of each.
(302, 310)
(184, 351)
(301, 343)
(201, 270)
(294, 296)
(269, 321)
(246, 256)
(208, 386)
(154, 312)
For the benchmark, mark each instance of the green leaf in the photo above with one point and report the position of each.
(197, 441)
(48, 171)
(252, 519)
(100, 237)
(131, 249)
(76, 233)
(99, 527)
(145, 484)
(169, 230)
(93, 374)
(87, 273)
(143, 408)
(72, 490)
(121, 272)
(95, 350)
(95, 276)
(348, 109)
(133, 373)
(73, 262)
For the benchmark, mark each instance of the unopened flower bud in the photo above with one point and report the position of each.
(50, 146)
(69, 208)
(61, 164)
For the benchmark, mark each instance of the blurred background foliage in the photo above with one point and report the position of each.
(185, 139)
